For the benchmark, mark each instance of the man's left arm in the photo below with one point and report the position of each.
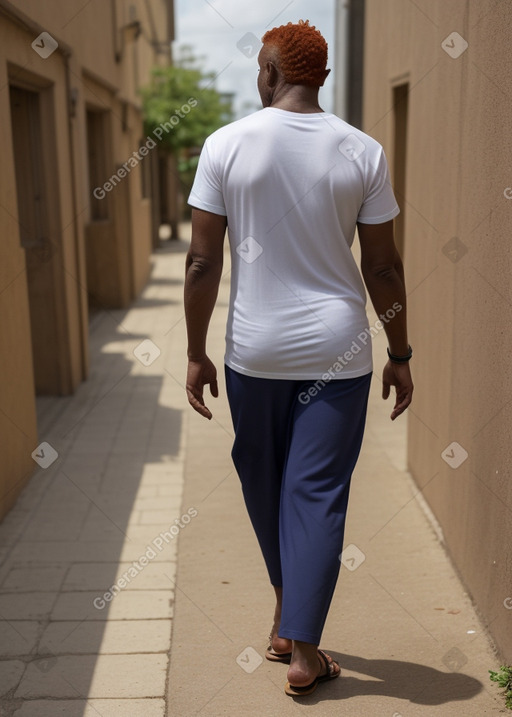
(203, 273)
(383, 274)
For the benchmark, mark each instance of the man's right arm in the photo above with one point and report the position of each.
(203, 274)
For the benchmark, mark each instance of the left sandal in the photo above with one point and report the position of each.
(331, 674)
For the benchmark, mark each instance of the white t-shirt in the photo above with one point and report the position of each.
(293, 187)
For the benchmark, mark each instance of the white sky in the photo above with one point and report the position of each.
(214, 27)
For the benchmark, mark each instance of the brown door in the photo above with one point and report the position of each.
(41, 250)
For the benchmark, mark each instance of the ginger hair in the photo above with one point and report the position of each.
(302, 53)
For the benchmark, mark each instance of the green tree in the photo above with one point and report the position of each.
(181, 108)
(184, 95)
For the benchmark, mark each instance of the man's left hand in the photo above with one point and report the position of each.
(399, 376)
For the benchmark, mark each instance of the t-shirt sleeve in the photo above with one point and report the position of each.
(379, 203)
(206, 191)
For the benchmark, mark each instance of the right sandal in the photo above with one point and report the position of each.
(331, 674)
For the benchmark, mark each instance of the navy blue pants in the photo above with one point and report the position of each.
(296, 445)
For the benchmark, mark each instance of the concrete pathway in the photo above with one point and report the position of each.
(88, 592)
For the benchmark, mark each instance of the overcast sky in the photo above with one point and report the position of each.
(215, 27)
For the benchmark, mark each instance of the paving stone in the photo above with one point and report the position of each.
(126, 605)
(64, 530)
(26, 606)
(169, 489)
(162, 477)
(150, 517)
(104, 676)
(46, 579)
(92, 708)
(98, 527)
(11, 672)
(18, 637)
(170, 502)
(113, 636)
(100, 576)
(34, 553)
(148, 491)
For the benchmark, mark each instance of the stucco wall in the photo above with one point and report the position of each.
(18, 430)
(459, 153)
(101, 61)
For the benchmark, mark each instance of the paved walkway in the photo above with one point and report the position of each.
(102, 514)
(89, 599)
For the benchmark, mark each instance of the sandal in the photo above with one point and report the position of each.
(274, 656)
(331, 674)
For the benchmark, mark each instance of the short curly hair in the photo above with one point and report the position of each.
(302, 52)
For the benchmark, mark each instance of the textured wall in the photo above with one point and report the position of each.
(53, 293)
(458, 268)
(18, 431)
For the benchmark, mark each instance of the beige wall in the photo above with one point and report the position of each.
(106, 50)
(459, 153)
(18, 431)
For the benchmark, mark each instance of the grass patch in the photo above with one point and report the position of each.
(504, 679)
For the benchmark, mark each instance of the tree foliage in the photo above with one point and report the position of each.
(182, 98)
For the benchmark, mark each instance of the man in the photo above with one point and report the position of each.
(291, 182)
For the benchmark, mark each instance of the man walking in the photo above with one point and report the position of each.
(291, 183)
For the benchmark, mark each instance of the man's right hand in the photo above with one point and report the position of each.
(201, 372)
(398, 375)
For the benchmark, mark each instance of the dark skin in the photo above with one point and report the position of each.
(383, 275)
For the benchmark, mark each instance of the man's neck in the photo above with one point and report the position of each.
(297, 98)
